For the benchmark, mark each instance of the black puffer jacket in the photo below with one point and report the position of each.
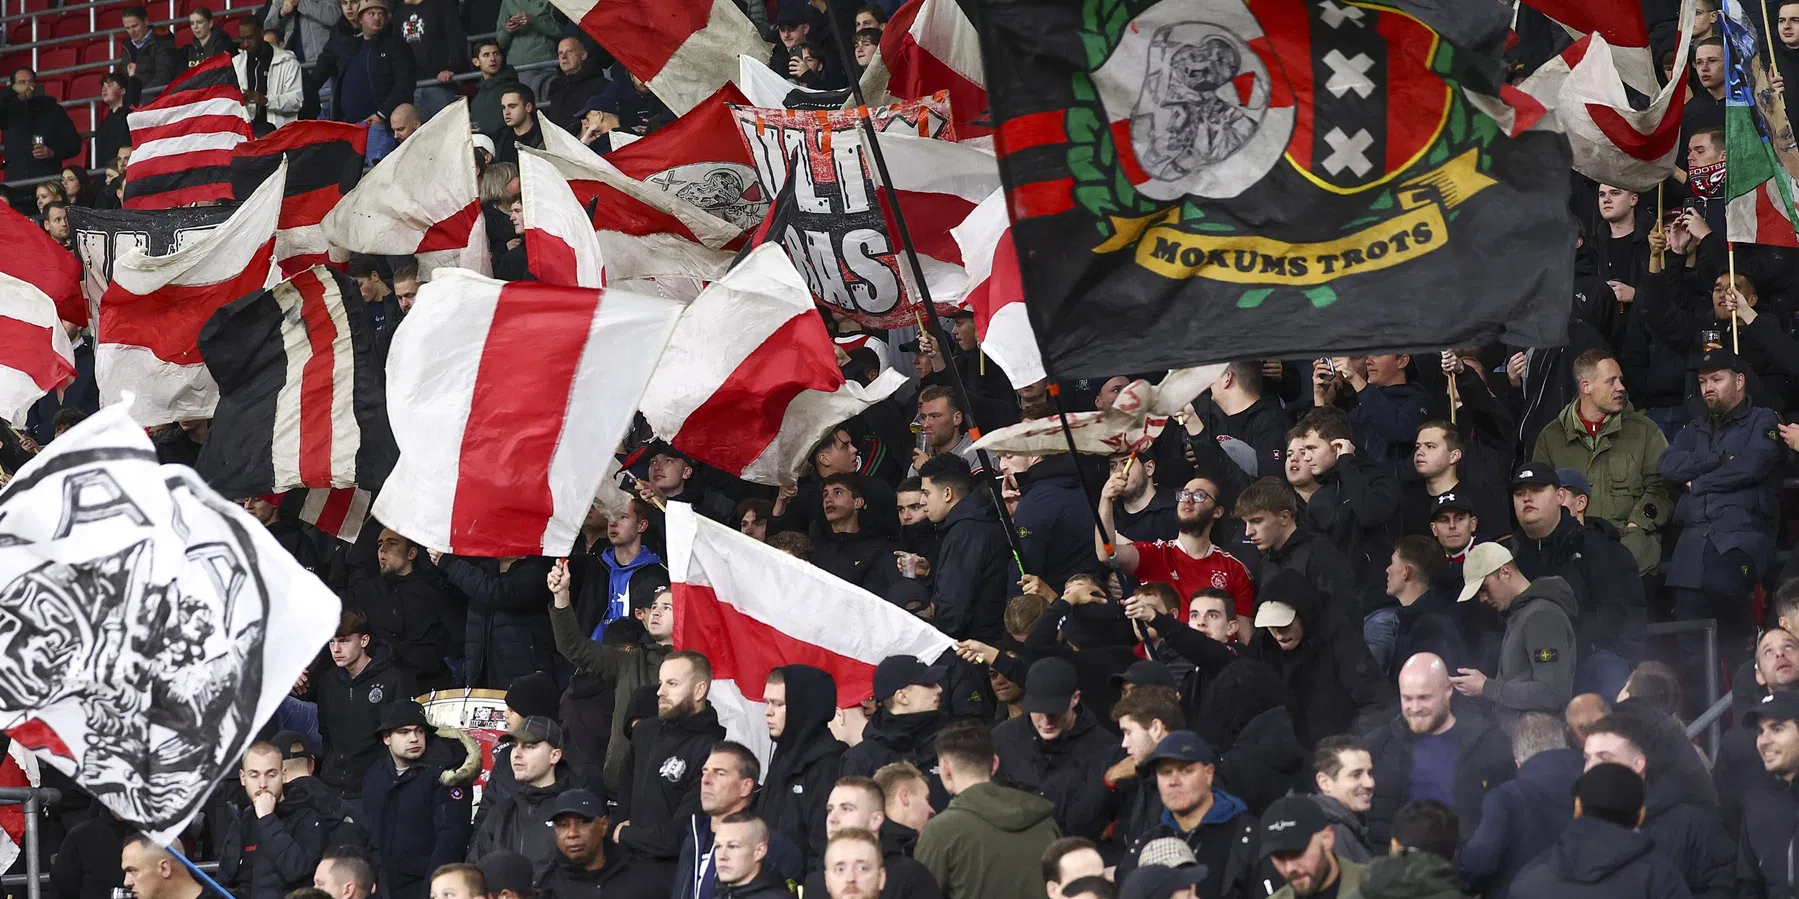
(417, 615)
(805, 764)
(973, 573)
(1311, 555)
(1069, 771)
(1680, 805)
(265, 858)
(664, 790)
(890, 738)
(1483, 761)
(349, 712)
(418, 819)
(508, 632)
(906, 878)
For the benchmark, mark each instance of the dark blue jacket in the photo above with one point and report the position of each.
(973, 573)
(1733, 502)
(692, 881)
(419, 818)
(1386, 421)
(508, 633)
(392, 70)
(1597, 859)
(1602, 574)
(1520, 819)
(1055, 526)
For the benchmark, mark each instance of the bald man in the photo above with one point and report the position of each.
(1583, 710)
(405, 121)
(152, 873)
(1427, 752)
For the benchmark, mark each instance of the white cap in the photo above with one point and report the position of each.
(1274, 613)
(1483, 559)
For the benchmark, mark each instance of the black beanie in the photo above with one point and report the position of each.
(535, 694)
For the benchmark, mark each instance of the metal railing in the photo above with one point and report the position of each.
(33, 798)
(1708, 722)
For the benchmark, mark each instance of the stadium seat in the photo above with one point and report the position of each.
(54, 87)
(12, 62)
(61, 56)
(19, 32)
(84, 85)
(98, 51)
(71, 25)
(82, 116)
(110, 17)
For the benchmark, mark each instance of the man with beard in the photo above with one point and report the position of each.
(666, 755)
(1145, 717)
(1427, 752)
(801, 701)
(909, 697)
(273, 844)
(1739, 766)
(418, 807)
(1189, 563)
(1728, 516)
(1141, 511)
(1058, 751)
(1618, 448)
(1302, 846)
(409, 608)
(1344, 774)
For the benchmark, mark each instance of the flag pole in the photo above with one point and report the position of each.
(1656, 262)
(1730, 253)
(847, 60)
(198, 874)
(1768, 30)
(1452, 397)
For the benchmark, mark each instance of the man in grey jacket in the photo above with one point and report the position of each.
(305, 26)
(1536, 655)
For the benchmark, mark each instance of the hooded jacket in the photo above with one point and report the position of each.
(767, 884)
(1331, 674)
(663, 792)
(1411, 874)
(1601, 860)
(1055, 530)
(1069, 771)
(1266, 761)
(1483, 761)
(398, 805)
(1312, 555)
(1226, 842)
(805, 765)
(619, 577)
(1601, 572)
(349, 712)
(1356, 506)
(518, 822)
(1622, 464)
(1262, 425)
(973, 574)
(265, 858)
(622, 668)
(988, 842)
(1537, 653)
(484, 106)
(1734, 502)
(1352, 833)
(1520, 819)
(1680, 805)
(696, 876)
(890, 738)
(1427, 625)
(906, 878)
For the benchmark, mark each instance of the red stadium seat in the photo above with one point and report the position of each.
(71, 25)
(82, 116)
(84, 85)
(36, 5)
(110, 18)
(19, 33)
(61, 56)
(54, 87)
(11, 62)
(98, 51)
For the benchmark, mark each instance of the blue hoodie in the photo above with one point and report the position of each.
(1224, 807)
(618, 585)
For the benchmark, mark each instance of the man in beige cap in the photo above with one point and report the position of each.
(1536, 656)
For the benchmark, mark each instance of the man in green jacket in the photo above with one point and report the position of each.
(1619, 450)
(628, 665)
(1298, 840)
(988, 842)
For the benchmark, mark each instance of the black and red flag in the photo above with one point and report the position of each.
(324, 163)
(182, 143)
(1204, 180)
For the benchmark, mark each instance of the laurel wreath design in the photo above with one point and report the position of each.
(1101, 188)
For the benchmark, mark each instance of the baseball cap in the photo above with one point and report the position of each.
(601, 104)
(1535, 473)
(1719, 359)
(1574, 482)
(1160, 881)
(789, 17)
(580, 803)
(483, 142)
(1145, 673)
(1274, 613)
(1049, 686)
(537, 729)
(1289, 823)
(1183, 746)
(506, 870)
(1482, 560)
(1452, 500)
(1774, 707)
(895, 673)
(1610, 787)
(292, 744)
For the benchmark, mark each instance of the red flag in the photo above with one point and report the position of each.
(683, 50)
(324, 163)
(996, 291)
(928, 46)
(182, 143)
(422, 199)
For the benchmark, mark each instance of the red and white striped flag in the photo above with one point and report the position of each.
(182, 143)
(341, 512)
(751, 608)
(996, 291)
(1759, 216)
(559, 238)
(749, 383)
(683, 51)
(423, 199)
(930, 45)
(151, 314)
(501, 397)
(1623, 27)
(38, 279)
(937, 184)
(324, 162)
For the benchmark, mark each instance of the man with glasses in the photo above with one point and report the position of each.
(1189, 563)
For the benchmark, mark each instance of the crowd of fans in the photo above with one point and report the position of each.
(1371, 626)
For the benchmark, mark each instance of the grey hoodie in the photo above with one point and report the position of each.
(1352, 833)
(1536, 657)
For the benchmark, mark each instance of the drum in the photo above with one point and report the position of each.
(481, 713)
